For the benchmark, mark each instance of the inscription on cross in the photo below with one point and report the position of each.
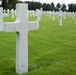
(21, 26)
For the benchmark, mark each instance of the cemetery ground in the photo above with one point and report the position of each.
(51, 48)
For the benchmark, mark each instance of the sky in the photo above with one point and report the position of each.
(55, 1)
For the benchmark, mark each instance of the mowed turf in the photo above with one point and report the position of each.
(51, 49)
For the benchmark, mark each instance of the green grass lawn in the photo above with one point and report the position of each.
(51, 49)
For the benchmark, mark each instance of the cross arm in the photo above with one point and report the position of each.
(9, 26)
(34, 25)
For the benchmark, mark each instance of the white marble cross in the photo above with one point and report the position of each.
(41, 10)
(12, 13)
(4, 13)
(60, 17)
(21, 27)
(38, 14)
(75, 17)
(64, 15)
(75, 20)
(32, 13)
(15, 11)
(53, 15)
(1, 19)
(8, 11)
(50, 13)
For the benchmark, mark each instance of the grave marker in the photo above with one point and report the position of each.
(60, 18)
(8, 11)
(21, 27)
(75, 20)
(32, 13)
(53, 15)
(1, 19)
(12, 12)
(38, 15)
(5, 13)
(75, 17)
(64, 15)
(15, 11)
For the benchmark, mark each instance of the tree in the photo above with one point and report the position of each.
(4, 4)
(44, 6)
(33, 5)
(37, 5)
(58, 6)
(13, 3)
(9, 4)
(52, 6)
(48, 7)
(75, 8)
(63, 8)
(71, 7)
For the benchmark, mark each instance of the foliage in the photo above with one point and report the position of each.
(44, 6)
(72, 7)
(52, 6)
(33, 5)
(48, 7)
(9, 4)
(63, 8)
(58, 6)
(4, 3)
(19, 2)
